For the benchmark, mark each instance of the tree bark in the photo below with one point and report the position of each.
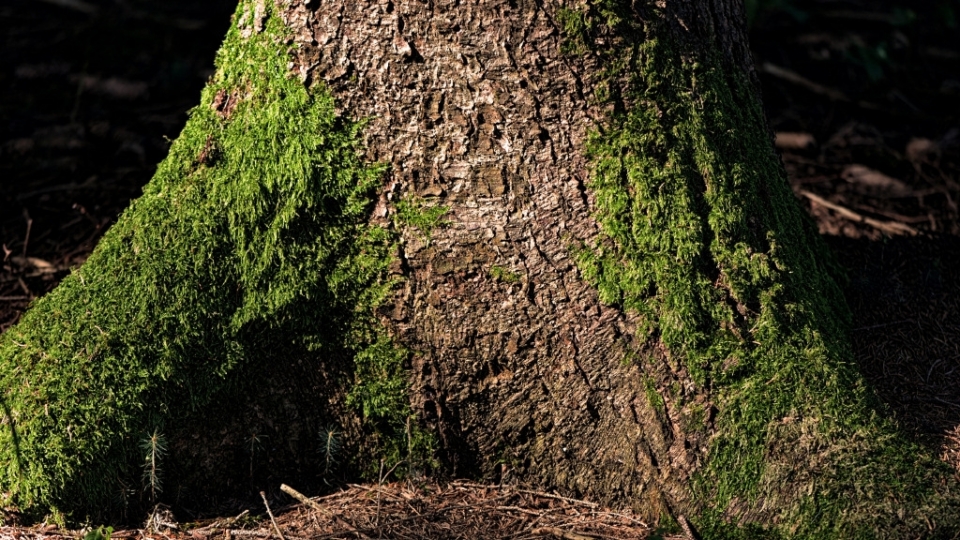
(582, 251)
(476, 109)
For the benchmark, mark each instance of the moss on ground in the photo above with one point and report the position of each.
(704, 240)
(252, 235)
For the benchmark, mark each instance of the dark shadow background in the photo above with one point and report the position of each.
(91, 92)
(863, 96)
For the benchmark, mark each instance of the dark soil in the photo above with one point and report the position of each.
(863, 97)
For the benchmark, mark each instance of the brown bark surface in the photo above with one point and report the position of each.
(474, 107)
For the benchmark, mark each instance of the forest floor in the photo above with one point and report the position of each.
(862, 96)
(397, 510)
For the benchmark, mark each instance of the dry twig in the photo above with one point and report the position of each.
(889, 227)
(319, 507)
(270, 513)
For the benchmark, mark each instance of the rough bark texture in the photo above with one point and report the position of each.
(520, 367)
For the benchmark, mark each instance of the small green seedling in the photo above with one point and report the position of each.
(329, 447)
(154, 447)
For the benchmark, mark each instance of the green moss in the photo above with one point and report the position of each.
(583, 25)
(500, 273)
(703, 238)
(419, 214)
(696, 418)
(577, 27)
(100, 533)
(653, 395)
(250, 243)
(380, 392)
(667, 526)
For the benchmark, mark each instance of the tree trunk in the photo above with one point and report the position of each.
(578, 265)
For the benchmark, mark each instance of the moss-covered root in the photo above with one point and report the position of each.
(255, 222)
(705, 241)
